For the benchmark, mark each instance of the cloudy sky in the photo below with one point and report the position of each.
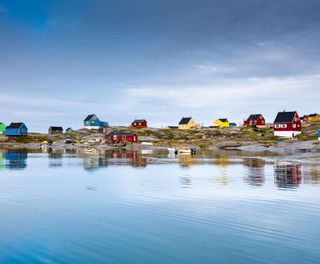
(157, 59)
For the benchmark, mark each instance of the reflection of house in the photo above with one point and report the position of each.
(255, 120)
(2, 127)
(93, 122)
(16, 129)
(122, 137)
(139, 123)
(287, 124)
(16, 160)
(187, 123)
(255, 176)
(2, 162)
(222, 162)
(221, 122)
(186, 160)
(287, 175)
(55, 130)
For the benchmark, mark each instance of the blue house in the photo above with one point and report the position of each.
(16, 129)
(93, 122)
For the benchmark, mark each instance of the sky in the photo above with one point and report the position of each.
(61, 60)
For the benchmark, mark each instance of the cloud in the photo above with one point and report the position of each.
(210, 68)
(227, 92)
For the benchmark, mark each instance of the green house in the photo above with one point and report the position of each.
(2, 127)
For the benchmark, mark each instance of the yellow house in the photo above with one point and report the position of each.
(313, 118)
(221, 122)
(188, 123)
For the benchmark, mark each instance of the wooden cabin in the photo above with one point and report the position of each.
(55, 130)
(255, 120)
(188, 123)
(139, 123)
(93, 122)
(221, 123)
(121, 137)
(16, 129)
(287, 124)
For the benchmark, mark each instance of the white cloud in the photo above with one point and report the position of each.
(218, 94)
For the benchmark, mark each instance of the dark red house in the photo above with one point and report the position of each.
(122, 137)
(255, 120)
(139, 123)
(287, 124)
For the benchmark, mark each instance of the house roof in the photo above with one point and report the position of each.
(139, 120)
(56, 128)
(185, 120)
(89, 117)
(254, 116)
(285, 117)
(15, 125)
(121, 133)
(223, 119)
(69, 129)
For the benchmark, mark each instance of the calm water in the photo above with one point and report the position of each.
(123, 207)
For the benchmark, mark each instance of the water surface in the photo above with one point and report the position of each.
(124, 207)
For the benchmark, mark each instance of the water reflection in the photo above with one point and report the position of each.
(55, 158)
(113, 157)
(312, 175)
(16, 160)
(255, 175)
(287, 175)
(186, 160)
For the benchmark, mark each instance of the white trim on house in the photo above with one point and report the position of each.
(287, 134)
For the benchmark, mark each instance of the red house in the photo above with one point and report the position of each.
(255, 120)
(122, 137)
(287, 124)
(139, 123)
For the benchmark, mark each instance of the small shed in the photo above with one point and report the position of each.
(221, 122)
(255, 120)
(139, 123)
(122, 137)
(188, 123)
(69, 130)
(2, 127)
(16, 129)
(55, 130)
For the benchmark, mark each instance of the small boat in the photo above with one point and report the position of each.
(185, 151)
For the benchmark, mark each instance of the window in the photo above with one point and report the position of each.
(294, 126)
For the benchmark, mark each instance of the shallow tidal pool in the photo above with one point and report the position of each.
(124, 207)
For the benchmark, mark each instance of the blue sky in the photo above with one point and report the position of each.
(63, 59)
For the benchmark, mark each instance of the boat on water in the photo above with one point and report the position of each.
(182, 151)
